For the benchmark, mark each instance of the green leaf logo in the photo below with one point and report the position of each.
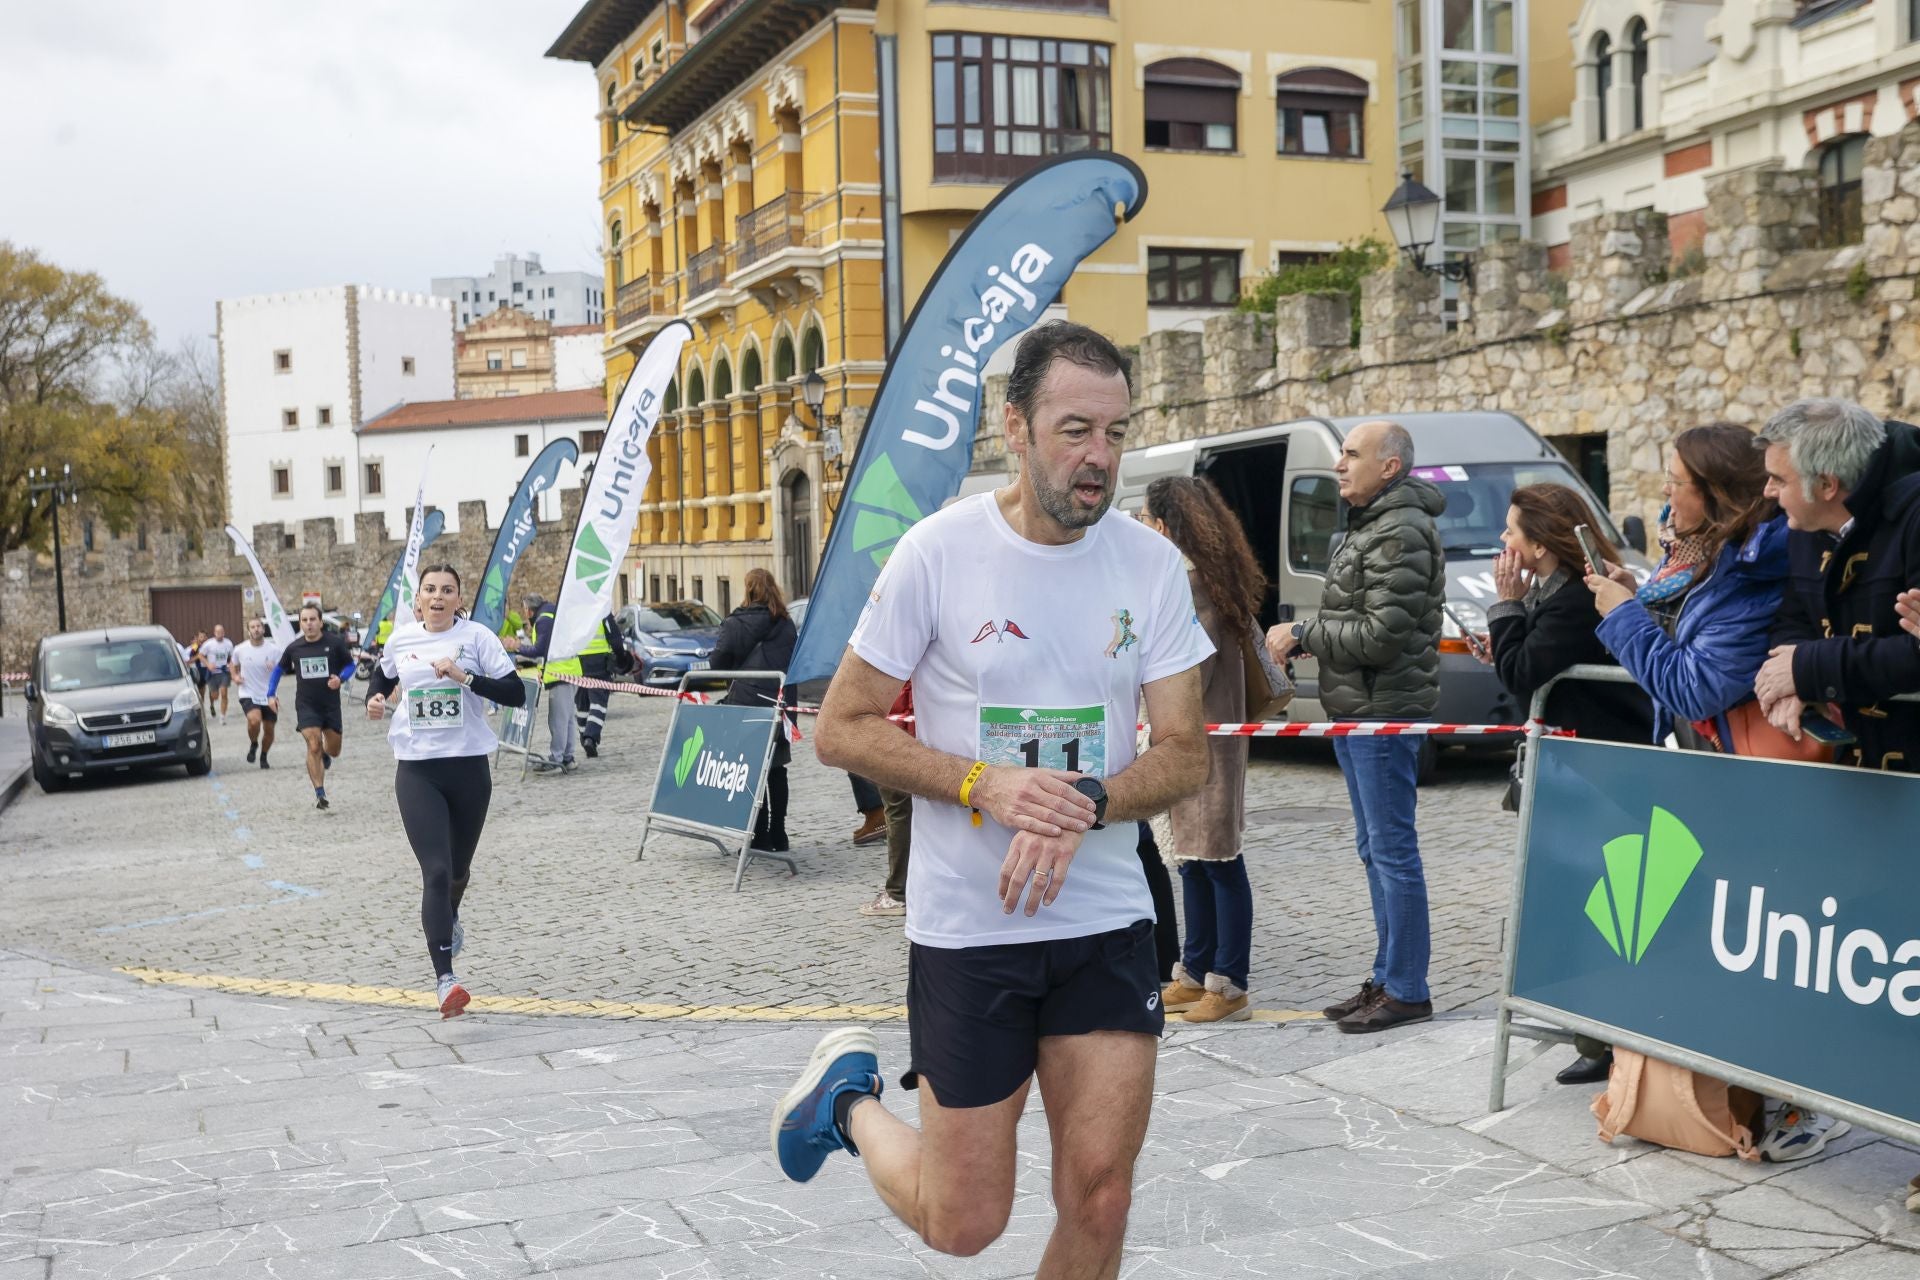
(689, 752)
(592, 562)
(888, 510)
(1645, 875)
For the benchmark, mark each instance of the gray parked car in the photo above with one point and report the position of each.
(109, 701)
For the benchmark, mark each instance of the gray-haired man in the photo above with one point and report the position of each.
(1377, 638)
(1850, 485)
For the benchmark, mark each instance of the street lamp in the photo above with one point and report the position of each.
(61, 492)
(1413, 215)
(813, 393)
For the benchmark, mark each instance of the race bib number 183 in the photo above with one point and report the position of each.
(435, 707)
(1070, 738)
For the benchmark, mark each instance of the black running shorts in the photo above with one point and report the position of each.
(975, 1015)
(318, 717)
(248, 706)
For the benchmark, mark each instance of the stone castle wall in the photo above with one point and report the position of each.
(110, 586)
(1616, 346)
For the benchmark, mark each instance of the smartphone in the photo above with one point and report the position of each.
(1596, 563)
(1472, 638)
(1821, 729)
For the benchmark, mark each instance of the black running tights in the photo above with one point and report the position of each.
(443, 805)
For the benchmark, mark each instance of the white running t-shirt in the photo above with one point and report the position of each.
(256, 663)
(1026, 654)
(217, 654)
(435, 718)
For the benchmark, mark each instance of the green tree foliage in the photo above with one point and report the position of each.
(82, 383)
(1340, 272)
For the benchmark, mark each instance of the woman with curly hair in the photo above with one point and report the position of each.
(1210, 981)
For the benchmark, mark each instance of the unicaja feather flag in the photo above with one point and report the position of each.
(416, 538)
(384, 610)
(612, 503)
(997, 280)
(517, 528)
(279, 625)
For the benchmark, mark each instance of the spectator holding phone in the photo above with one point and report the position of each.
(1544, 623)
(1850, 486)
(1694, 635)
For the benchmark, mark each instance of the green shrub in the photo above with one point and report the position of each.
(1338, 274)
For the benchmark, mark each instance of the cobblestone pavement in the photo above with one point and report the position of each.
(150, 1132)
(237, 875)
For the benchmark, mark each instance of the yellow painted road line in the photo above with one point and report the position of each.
(543, 1006)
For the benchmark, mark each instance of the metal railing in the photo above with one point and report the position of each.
(634, 300)
(778, 224)
(705, 270)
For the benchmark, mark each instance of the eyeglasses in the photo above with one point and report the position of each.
(1673, 483)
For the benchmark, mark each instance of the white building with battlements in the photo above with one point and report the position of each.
(300, 372)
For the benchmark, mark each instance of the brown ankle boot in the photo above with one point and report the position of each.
(1223, 1002)
(1182, 993)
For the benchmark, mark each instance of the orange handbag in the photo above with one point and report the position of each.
(1754, 735)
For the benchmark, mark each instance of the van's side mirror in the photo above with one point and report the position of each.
(1283, 613)
(33, 694)
(1634, 529)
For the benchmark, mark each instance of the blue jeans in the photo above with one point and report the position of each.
(1219, 904)
(1381, 775)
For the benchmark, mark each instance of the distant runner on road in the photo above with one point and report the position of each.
(217, 656)
(319, 661)
(253, 666)
(445, 668)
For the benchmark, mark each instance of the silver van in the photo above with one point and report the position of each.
(1279, 480)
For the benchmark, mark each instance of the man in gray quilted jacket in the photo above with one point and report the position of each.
(1377, 639)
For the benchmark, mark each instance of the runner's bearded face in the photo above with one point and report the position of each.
(439, 601)
(255, 633)
(1071, 446)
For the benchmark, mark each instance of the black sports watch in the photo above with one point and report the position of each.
(1300, 639)
(1096, 791)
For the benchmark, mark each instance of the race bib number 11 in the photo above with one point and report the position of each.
(1070, 738)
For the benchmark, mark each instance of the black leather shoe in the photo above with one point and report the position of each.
(1352, 1004)
(592, 748)
(1384, 1014)
(1587, 1070)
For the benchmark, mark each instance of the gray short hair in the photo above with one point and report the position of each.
(1395, 442)
(1826, 437)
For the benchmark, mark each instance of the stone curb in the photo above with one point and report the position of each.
(13, 786)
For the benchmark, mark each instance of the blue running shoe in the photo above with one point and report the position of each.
(803, 1132)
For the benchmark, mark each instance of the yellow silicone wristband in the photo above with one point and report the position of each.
(973, 776)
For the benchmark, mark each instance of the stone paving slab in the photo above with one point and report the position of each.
(635, 1148)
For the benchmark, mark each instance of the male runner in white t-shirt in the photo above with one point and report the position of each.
(253, 666)
(1030, 621)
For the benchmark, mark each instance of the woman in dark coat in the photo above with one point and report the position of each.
(759, 636)
(1546, 622)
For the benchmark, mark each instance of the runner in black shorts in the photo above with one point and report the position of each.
(320, 662)
(1031, 621)
(254, 663)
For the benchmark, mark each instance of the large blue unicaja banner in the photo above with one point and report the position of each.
(517, 529)
(714, 758)
(1759, 912)
(999, 276)
(430, 529)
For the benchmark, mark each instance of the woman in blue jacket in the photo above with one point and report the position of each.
(1694, 635)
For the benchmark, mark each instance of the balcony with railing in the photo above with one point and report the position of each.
(634, 301)
(706, 270)
(778, 224)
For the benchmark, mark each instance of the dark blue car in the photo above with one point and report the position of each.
(669, 640)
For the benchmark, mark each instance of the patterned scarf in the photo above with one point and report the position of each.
(1682, 558)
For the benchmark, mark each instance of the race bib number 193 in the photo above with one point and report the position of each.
(1070, 738)
(314, 668)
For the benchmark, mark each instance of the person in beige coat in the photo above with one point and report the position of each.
(1210, 981)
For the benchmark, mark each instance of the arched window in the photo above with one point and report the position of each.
(1192, 105)
(1840, 213)
(611, 135)
(750, 370)
(813, 351)
(670, 402)
(783, 359)
(696, 386)
(1637, 43)
(1602, 82)
(722, 379)
(1320, 112)
(615, 234)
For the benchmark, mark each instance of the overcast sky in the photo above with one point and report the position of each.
(190, 150)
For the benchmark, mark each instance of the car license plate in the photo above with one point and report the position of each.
(699, 664)
(129, 739)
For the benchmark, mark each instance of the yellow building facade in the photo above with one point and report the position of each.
(786, 175)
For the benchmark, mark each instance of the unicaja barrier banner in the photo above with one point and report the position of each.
(409, 585)
(517, 529)
(612, 503)
(1000, 275)
(1754, 911)
(430, 530)
(714, 758)
(279, 625)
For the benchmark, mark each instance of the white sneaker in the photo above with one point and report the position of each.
(1798, 1133)
(884, 904)
(453, 997)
